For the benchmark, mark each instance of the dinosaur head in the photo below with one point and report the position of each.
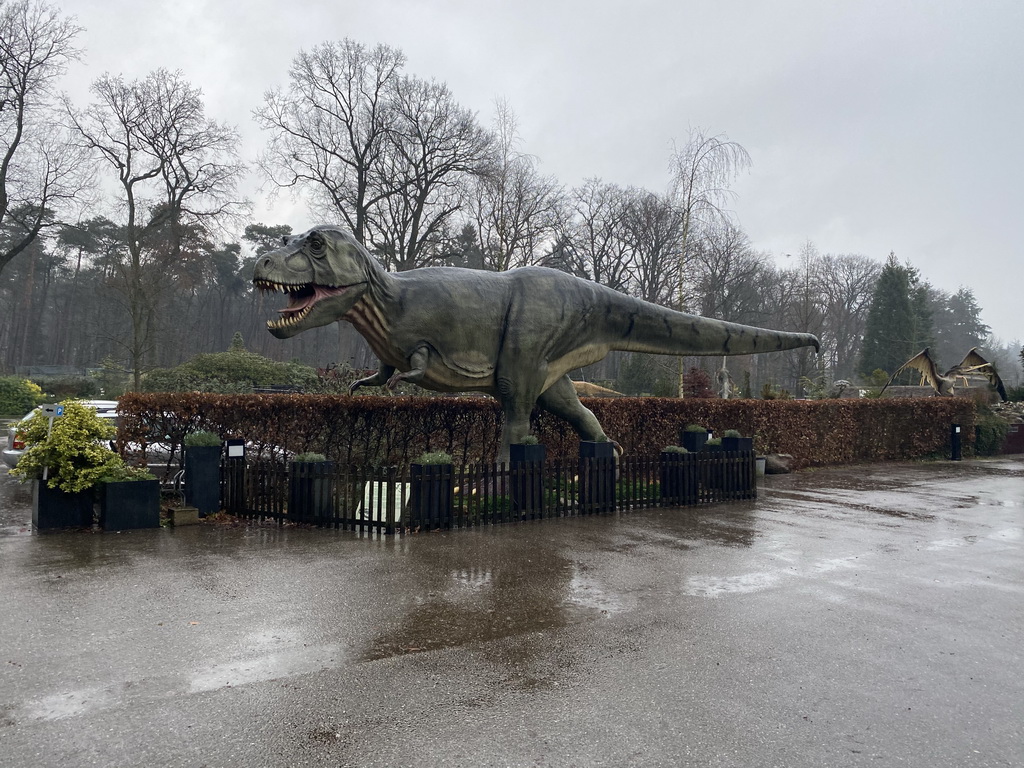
(323, 271)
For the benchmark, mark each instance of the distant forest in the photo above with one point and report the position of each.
(125, 243)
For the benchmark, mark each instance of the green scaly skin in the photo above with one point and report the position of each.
(514, 335)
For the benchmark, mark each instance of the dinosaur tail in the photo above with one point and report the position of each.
(664, 331)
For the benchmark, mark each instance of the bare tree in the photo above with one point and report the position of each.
(701, 173)
(39, 168)
(726, 269)
(515, 209)
(651, 226)
(847, 283)
(802, 310)
(391, 154)
(176, 172)
(596, 230)
(328, 130)
(435, 149)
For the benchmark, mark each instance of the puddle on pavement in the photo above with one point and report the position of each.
(511, 598)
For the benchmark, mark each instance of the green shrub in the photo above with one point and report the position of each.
(63, 387)
(529, 440)
(123, 473)
(74, 452)
(731, 433)
(309, 457)
(434, 457)
(990, 431)
(674, 449)
(695, 428)
(233, 372)
(202, 439)
(714, 441)
(18, 396)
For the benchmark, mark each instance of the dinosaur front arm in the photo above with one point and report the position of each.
(378, 379)
(418, 361)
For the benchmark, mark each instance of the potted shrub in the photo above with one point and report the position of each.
(693, 437)
(430, 500)
(129, 498)
(712, 445)
(309, 488)
(202, 471)
(64, 463)
(526, 463)
(527, 449)
(732, 440)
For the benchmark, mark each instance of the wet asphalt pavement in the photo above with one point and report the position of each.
(856, 616)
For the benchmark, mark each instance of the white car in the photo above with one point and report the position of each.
(105, 409)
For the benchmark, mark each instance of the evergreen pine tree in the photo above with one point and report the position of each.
(898, 323)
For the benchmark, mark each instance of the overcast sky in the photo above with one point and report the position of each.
(872, 126)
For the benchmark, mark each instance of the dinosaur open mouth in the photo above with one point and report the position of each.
(301, 299)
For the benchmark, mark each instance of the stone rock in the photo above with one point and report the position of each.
(778, 464)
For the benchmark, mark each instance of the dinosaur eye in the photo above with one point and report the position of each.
(316, 245)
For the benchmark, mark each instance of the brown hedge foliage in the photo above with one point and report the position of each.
(815, 432)
(394, 430)
(359, 430)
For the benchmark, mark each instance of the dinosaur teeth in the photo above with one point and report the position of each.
(273, 287)
(290, 320)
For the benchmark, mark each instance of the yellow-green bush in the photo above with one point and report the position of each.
(18, 396)
(75, 451)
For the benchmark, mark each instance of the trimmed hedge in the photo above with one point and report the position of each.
(815, 432)
(395, 430)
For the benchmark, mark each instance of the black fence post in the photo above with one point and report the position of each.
(431, 495)
(954, 442)
(234, 487)
(526, 471)
(597, 477)
(202, 478)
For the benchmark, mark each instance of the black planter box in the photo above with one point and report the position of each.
(527, 467)
(737, 443)
(430, 502)
(693, 441)
(202, 478)
(674, 469)
(310, 498)
(130, 504)
(53, 508)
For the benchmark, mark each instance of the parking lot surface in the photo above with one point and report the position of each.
(866, 615)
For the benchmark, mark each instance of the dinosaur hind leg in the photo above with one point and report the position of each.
(561, 400)
(517, 405)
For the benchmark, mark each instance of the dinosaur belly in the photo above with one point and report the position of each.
(467, 372)
(577, 358)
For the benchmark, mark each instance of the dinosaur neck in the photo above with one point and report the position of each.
(370, 321)
(370, 315)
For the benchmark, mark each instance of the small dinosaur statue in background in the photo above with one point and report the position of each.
(973, 364)
(514, 335)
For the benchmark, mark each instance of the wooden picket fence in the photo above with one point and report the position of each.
(441, 496)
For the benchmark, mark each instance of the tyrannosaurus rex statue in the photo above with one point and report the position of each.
(514, 335)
